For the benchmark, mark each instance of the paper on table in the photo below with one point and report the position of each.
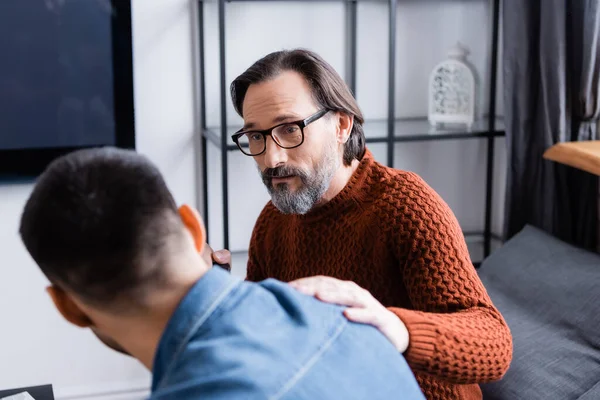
(19, 396)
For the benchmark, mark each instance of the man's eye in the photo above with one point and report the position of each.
(254, 136)
(290, 129)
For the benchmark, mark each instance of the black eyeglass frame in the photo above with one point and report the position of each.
(303, 123)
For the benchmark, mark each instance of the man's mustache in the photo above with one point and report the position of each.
(270, 173)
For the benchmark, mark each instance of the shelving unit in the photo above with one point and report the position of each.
(389, 131)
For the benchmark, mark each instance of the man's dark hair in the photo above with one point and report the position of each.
(98, 223)
(328, 89)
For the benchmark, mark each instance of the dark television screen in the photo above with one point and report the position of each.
(66, 80)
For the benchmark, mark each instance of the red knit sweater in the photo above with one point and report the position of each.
(389, 232)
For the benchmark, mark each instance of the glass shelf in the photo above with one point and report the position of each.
(405, 130)
(419, 129)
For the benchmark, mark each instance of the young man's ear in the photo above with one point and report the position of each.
(194, 224)
(67, 307)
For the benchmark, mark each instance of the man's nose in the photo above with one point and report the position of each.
(274, 155)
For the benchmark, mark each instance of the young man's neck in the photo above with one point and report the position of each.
(141, 335)
(340, 180)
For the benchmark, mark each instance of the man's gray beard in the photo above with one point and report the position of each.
(310, 192)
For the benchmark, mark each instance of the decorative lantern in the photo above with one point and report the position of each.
(452, 90)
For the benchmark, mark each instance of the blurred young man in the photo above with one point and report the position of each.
(390, 247)
(123, 260)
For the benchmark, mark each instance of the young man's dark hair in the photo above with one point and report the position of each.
(100, 223)
(124, 261)
(329, 89)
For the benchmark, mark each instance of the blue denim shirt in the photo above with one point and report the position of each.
(231, 339)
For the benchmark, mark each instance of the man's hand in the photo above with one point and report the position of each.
(221, 257)
(363, 307)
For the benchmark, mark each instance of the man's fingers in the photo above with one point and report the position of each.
(362, 308)
(362, 316)
(332, 290)
(222, 257)
(311, 286)
(308, 290)
(337, 295)
(308, 283)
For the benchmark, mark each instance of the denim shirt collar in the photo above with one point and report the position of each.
(193, 310)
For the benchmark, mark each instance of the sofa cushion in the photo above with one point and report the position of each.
(549, 294)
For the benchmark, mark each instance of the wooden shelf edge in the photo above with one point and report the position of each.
(581, 155)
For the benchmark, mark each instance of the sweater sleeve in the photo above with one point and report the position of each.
(455, 331)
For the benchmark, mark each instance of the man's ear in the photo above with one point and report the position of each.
(194, 224)
(344, 123)
(68, 308)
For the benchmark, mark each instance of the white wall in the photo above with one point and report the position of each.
(426, 31)
(36, 346)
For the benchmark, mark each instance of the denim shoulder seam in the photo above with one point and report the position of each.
(215, 304)
(310, 363)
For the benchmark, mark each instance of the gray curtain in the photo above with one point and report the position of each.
(551, 71)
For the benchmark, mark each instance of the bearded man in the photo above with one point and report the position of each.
(349, 230)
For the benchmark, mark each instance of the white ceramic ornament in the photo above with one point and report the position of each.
(452, 90)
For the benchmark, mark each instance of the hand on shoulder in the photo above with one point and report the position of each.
(362, 306)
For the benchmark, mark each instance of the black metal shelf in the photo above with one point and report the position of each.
(415, 129)
(389, 130)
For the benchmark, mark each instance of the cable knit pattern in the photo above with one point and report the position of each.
(392, 234)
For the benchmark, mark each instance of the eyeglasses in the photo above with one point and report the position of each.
(287, 135)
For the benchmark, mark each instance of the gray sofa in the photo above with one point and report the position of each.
(549, 294)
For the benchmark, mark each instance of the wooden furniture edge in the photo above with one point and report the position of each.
(583, 155)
